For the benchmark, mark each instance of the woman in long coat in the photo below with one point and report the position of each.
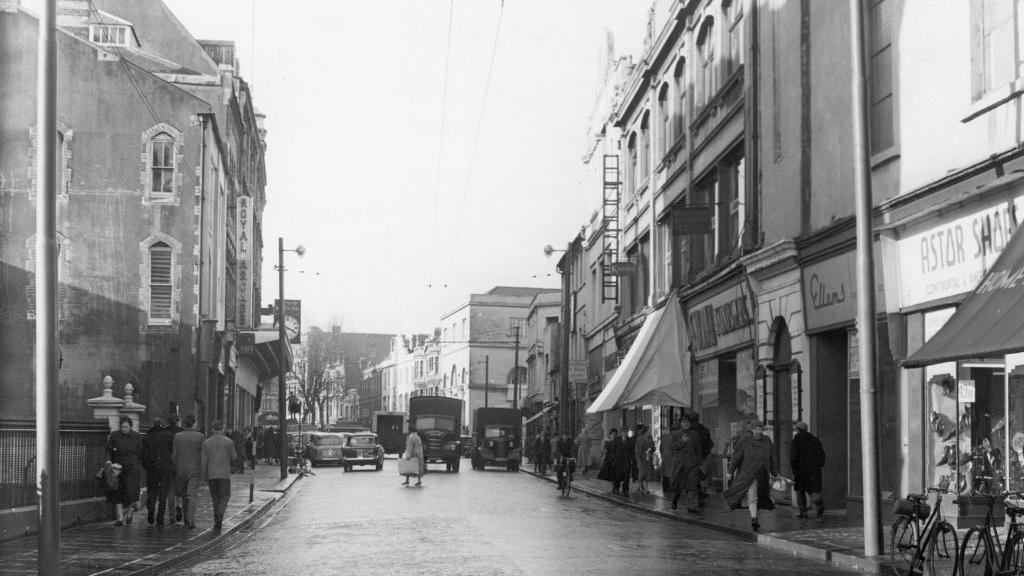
(645, 459)
(414, 451)
(124, 447)
(750, 469)
(684, 444)
(583, 444)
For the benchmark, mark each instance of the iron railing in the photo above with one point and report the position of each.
(82, 453)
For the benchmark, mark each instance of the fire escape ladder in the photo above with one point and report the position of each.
(610, 221)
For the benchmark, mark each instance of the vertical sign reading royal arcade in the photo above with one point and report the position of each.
(244, 263)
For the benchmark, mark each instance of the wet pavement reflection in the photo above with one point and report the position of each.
(475, 522)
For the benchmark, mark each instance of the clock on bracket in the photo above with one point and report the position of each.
(291, 327)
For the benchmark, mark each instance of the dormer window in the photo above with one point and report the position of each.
(109, 35)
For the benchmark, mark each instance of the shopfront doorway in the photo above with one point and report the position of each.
(830, 379)
(783, 398)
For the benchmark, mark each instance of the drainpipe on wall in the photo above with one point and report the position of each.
(200, 364)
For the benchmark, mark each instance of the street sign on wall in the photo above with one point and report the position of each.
(578, 371)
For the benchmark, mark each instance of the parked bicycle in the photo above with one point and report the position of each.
(922, 541)
(981, 552)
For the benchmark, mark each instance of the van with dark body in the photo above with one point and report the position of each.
(498, 441)
(438, 421)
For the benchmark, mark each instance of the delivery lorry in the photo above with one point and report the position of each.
(390, 428)
(438, 421)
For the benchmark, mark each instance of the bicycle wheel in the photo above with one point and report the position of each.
(1013, 563)
(940, 554)
(903, 548)
(975, 557)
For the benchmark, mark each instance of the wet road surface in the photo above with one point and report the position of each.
(475, 522)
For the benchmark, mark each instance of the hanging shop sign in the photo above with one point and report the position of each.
(951, 258)
(722, 321)
(243, 263)
(578, 371)
(830, 290)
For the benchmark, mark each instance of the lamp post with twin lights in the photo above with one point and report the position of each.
(282, 352)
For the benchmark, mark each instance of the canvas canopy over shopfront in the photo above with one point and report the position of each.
(654, 370)
(975, 367)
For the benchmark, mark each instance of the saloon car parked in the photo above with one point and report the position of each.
(362, 449)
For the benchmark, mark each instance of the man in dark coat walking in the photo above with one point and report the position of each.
(156, 459)
(706, 446)
(620, 458)
(807, 459)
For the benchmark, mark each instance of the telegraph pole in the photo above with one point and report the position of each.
(487, 379)
(47, 397)
(865, 285)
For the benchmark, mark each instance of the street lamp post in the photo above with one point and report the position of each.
(563, 388)
(282, 352)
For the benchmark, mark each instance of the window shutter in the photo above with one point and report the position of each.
(160, 282)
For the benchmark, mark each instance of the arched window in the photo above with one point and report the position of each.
(161, 282)
(632, 177)
(463, 376)
(160, 148)
(162, 164)
(708, 85)
(665, 116)
(681, 103)
(645, 142)
(734, 20)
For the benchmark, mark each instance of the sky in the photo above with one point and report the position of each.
(410, 192)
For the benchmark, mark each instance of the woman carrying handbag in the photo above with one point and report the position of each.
(412, 463)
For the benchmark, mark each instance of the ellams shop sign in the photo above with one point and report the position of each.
(720, 322)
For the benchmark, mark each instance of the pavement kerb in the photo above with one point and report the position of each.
(252, 513)
(806, 551)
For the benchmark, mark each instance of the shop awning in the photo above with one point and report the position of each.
(990, 322)
(266, 356)
(654, 370)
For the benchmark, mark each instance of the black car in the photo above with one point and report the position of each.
(362, 449)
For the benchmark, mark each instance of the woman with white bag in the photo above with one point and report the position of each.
(411, 463)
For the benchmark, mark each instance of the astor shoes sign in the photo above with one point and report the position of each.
(951, 258)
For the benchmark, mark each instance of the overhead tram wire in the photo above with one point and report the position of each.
(440, 138)
(476, 141)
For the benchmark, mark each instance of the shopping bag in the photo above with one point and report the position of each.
(408, 467)
(781, 487)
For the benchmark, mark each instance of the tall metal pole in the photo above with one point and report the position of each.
(515, 370)
(47, 398)
(865, 286)
(563, 403)
(282, 352)
(487, 380)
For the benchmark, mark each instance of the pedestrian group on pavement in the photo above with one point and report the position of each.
(682, 460)
(176, 462)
